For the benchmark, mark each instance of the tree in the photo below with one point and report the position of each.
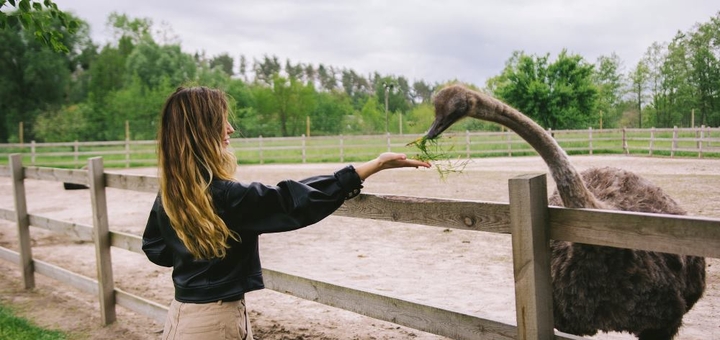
(135, 29)
(329, 113)
(295, 101)
(704, 46)
(639, 79)
(326, 77)
(152, 63)
(37, 17)
(224, 62)
(677, 81)
(610, 80)
(655, 58)
(33, 78)
(422, 92)
(266, 69)
(243, 68)
(559, 95)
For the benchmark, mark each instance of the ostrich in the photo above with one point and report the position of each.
(595, 288)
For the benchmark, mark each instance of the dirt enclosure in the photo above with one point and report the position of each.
(468, 272)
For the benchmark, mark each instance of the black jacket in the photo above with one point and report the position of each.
(249, 210)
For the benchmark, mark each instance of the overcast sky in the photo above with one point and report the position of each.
(434, 41)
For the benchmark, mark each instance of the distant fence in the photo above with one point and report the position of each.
(673, 142)
(527, 218)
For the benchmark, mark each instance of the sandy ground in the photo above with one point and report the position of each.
(469, 272)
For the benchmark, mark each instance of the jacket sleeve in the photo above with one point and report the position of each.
(153, 243)
(290, 205)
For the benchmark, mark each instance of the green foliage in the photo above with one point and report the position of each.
(420, 118)
(88, 94)
(33, 78)
(224, 62)
(152, 64)
(38, 17)
(134, 29)
(559, 95)
(67, 124)
(13, 327)
(139, 105)
(371, 118)
(328, 116)
(610, 81)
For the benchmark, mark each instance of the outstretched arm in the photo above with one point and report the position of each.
(388, 160)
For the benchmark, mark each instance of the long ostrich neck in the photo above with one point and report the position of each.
(570, 185)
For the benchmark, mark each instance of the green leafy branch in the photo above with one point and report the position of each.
(38, 16)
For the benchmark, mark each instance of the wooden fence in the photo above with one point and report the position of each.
(686, 142)
(527, 218)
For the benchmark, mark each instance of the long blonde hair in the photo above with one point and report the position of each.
(190, 155)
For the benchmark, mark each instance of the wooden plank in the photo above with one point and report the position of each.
(22, 221)
(401, 312)
(79, 282)
(654, 232)
(132, 182)
(531, 256)
(426, 318)
(126, 241)
(80, 232)
(141, 305)
(101, 232)
(57, 175)
(7, 214)
(467, 215)
(9, 255)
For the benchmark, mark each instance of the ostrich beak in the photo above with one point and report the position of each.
(437, 127)
(443, 122)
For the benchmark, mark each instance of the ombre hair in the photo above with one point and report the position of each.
(191, 154)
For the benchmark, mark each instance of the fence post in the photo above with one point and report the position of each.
(303, 149)
(342, 150)
(531, 256)
(101, 236)
(127, 144)
(509, 141)
(624, 142)
(32, 152)
(388, 141)
(467, 143)
(76, 154)
(652, 139)
(260, 150)
(674, 142)
(23, 222)
(700, 142)
(590, 139)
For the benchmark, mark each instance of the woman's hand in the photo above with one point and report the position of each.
(388, 160)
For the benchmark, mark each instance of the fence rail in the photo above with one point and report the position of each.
(527, 217)
(685, 142)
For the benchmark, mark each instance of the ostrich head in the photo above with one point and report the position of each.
(451, 104)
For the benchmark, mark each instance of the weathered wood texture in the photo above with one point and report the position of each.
(531, 257)
(101, 233)
(674, 234)
(21, 220)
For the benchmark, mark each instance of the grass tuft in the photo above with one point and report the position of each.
(13, 327)
(431, 150)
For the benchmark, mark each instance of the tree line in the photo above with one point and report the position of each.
(87, 92)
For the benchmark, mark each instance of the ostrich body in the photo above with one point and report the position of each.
(595, 288)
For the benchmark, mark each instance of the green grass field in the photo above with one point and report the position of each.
(290, 150)
(15, 328)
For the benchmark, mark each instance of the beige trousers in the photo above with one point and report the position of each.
(207, 321)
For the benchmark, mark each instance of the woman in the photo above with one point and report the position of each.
(205, 224)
